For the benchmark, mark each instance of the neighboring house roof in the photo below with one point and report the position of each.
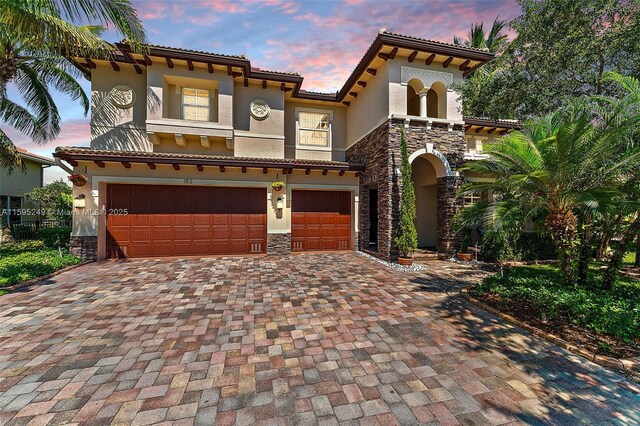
(384, 46)
(74, 154)
(35, 157)
(502, 126)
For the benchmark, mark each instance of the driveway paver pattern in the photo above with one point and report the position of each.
(307, 339)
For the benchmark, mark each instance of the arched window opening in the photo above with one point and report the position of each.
(432, 103)
(414, 86)
(413, 102)
(437, 100)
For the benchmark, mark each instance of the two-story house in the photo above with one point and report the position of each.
(186, 145)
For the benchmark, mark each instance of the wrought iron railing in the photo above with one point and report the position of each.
(28, 229)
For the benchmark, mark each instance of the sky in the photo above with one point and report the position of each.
(321, 40)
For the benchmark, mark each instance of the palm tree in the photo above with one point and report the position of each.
(495, 42)
(560, 168)
(35, 39)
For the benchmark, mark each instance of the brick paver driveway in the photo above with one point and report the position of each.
(299, 340)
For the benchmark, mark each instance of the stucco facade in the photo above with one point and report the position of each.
(14, 186)
(255, 127)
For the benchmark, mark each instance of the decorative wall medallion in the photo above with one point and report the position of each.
(259, 109)
(123, 96)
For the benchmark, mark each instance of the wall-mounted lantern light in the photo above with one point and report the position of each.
(79, 201)
(279, 203)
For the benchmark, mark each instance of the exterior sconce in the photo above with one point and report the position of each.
(279, 203)
(79, 201)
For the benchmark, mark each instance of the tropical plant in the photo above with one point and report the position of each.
(562, 50)
(561, 168)
(54, 198)
(35, 38)
(474, 89)
(406, 235)
(623, 111)
(494, 42)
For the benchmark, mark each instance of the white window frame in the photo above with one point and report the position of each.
(182, 104)
(472, 198)
(329, 130)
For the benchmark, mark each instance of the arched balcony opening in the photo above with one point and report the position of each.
(414, 87)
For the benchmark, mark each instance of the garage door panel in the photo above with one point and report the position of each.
(169, 220)
(219, 219)
(161, 220)
(161, 233)
(119, 220)
(181, 220)
(320, 220)
(140, 234)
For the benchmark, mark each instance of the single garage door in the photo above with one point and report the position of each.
(320, 220)
(163, 220)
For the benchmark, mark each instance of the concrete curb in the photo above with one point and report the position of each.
(605, 361)
(37, 280)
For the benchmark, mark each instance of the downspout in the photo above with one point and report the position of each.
(63, 166)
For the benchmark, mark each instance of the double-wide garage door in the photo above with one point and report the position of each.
(162, 220)
(320, 220)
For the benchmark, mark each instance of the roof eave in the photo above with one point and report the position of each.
(231, 162)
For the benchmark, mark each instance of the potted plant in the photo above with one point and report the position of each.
(78, 179)
(406, 235)
(277, 185)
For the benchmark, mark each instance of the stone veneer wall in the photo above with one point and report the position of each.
(86, 248)
(372, 151)
(452, 145)
(379, 151)
(448, 206)
(279, 244)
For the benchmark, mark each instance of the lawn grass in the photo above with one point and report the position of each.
(537, 292)
(26, 265)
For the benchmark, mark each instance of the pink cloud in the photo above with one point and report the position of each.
(74, 132)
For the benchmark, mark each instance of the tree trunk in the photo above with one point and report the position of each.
(563, 226)
(615, 263)
(584, 254)
(637, 262)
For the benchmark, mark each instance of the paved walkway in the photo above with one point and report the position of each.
(308, 339)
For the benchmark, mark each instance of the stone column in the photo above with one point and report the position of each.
(448, 206)
(423, 102)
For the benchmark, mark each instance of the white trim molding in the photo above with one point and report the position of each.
(442, 167)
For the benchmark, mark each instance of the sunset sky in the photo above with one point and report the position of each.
(321, 40)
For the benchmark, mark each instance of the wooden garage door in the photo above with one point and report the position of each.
(320, 220)
(162, 220)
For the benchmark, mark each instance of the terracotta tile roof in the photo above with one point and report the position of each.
(479, 121)
(384, 31)
(83, 153)
(36, 157)
(202, 52)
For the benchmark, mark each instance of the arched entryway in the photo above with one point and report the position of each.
(425, 185)
(427, 166)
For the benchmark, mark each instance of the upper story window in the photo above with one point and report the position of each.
(314, 129)
(196, 104)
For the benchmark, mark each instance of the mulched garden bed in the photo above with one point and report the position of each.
(561, 326)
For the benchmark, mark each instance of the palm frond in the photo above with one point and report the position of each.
(22, 120)
(37, 96)
(10, 158)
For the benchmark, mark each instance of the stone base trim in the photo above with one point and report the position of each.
(605, 361)
(279, 244)
(86, 248)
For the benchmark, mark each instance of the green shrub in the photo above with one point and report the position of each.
(526, 246)
(615, 312)
(55, 237)
(23, 246)
(24, 266)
